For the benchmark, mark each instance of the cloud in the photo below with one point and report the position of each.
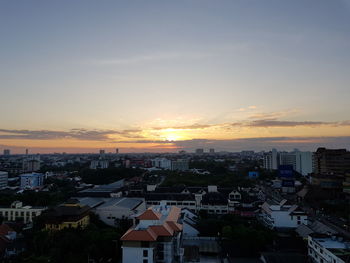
(275, 123)
(278, 123)
(150, 58)
(273, 115)
(78, 134)
(186, 127)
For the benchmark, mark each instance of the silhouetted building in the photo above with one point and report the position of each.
(331, 161)
(199, 151)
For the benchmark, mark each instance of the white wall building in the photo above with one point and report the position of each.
(3, 179)
(18, 212)
(156, 237)
(271, 160)
(324, 249)
(99, 164)
(162, 163)
(120, 208)
(282, 215)
(301, 161)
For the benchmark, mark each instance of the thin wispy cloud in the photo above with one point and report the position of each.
(150, 58)
(78, 134)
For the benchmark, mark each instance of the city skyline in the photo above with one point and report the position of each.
(160, 76)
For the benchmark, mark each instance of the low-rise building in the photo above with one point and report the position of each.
(325, 248)
(68, 215)
(282, 215)
(156, 237)
(31, 180)
(110, 210)
(18, 212)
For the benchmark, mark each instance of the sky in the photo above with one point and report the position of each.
(162, 76)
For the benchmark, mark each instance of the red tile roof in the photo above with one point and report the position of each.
(139, 235)
(174, 214)
(168, 227)
(149, 214)
(163, 230)
(175, 226)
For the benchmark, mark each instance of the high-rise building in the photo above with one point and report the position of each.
(31, 164)
(199, 151)
(304, 161)
(301, 161)
(180, 165)
(271, 161)
(163, 163)
(211, 150)
(7, 152)
(331, 161)
(27, 151)
(99, 164)
(3, 179)
(117, 151)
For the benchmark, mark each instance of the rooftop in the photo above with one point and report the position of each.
(164, 222)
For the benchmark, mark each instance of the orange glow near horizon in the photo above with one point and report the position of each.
(166, 138)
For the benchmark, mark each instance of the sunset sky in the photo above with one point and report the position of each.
(160, 75)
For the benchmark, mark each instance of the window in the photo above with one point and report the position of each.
(145, 253)
(145, 261)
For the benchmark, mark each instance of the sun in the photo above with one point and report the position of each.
(171, 135)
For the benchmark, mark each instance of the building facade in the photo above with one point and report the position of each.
(156, 237)
(282, 215)
(32, 180)
(3, 179)
(325, 248)
(331, 161)
(18, 212)
(68, 215)
(302, 162)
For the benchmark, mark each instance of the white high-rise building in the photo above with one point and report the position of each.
(163, 163)
(271, 160)
(301, 161)
(3, 179)
(303, 164)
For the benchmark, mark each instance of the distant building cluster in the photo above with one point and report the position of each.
(286, 192)
(302, 162)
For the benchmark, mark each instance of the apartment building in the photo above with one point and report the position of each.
(3, 179)
(328, 249)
